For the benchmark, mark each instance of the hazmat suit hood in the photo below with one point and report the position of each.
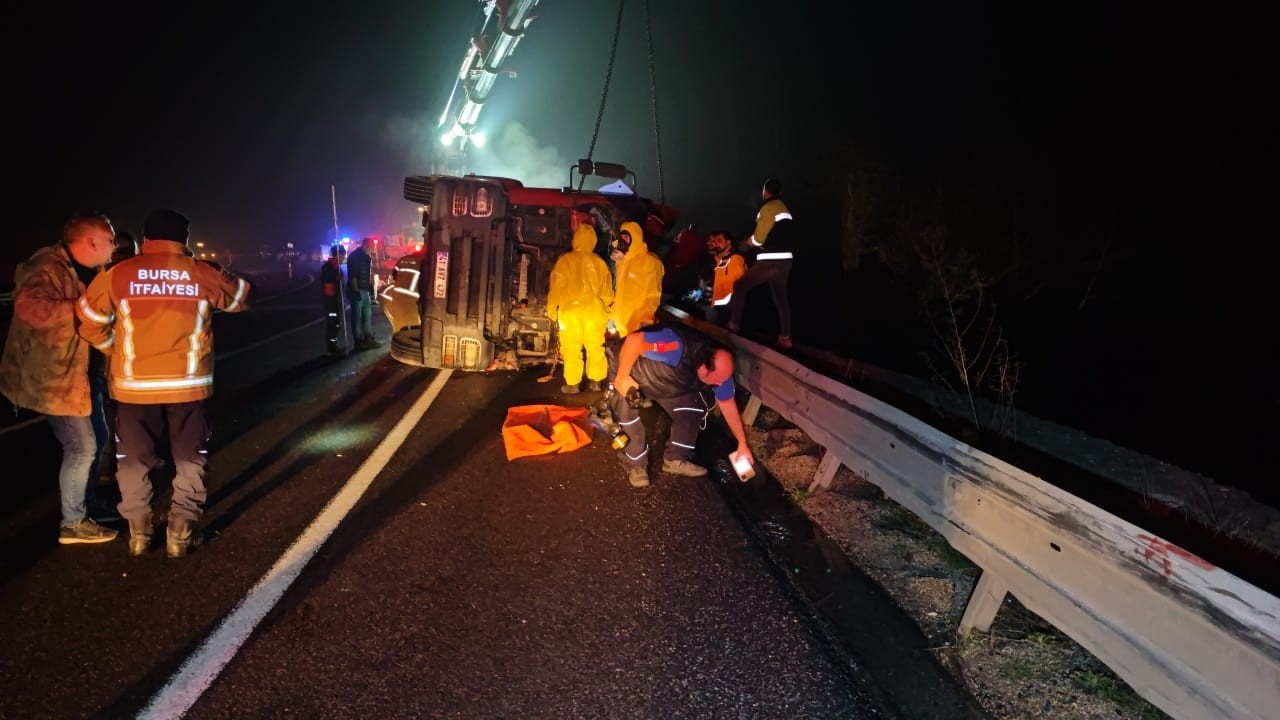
(584, 238)
(638, 245)
(638, 284)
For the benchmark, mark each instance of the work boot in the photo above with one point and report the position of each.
(638, 476)
(593, 386)
(683, 467)
(140, 530)
(569, 389)
(178, 537)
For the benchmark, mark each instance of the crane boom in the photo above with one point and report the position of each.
(487, 53)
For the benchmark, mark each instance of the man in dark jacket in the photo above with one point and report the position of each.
(672, 364)
(360, 287)
(772, 241)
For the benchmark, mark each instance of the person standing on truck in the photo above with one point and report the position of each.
(578, 302)
(153, 316)
(360, 284)
(772, 242)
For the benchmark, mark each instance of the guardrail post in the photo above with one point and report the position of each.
(988, 596)
(827, 470)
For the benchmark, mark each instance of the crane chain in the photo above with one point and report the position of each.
(604, 96)
(653, 96)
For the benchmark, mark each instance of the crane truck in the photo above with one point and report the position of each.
(474, 297)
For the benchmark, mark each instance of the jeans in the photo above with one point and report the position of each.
(361, 315)
(82, 440)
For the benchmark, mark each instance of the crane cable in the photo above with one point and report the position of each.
(604, 96)
(653, 95)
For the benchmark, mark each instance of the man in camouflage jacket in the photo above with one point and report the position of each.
(48, 368)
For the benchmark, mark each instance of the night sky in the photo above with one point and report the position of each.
(1135, 133)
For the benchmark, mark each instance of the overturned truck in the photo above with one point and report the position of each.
(475, 297)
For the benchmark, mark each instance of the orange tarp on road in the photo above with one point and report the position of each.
(544, 429)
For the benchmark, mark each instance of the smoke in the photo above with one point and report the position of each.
(514, 153)
(410, 138)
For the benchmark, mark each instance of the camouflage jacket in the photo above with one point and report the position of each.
(45, 365)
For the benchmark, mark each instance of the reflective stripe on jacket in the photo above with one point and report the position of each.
(774, 232)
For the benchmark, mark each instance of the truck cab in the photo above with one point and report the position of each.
(474, 298)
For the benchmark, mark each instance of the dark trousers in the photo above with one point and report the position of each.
(140, 430)
(334, 335)
(687, 412)
(773, 272)
(715, 314)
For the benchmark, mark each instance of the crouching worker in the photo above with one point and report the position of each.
(672, 364)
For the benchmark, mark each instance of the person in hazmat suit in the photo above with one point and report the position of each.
(638, 284)
(579, 299)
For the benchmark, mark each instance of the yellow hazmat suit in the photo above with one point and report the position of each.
(580, 294)
(638, 288)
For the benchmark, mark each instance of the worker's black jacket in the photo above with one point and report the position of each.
(659, 380)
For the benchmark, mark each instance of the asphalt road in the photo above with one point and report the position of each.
(348, 574)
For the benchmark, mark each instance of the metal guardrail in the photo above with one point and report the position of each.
(1193, 639)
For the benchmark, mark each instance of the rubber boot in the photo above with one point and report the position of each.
(178, 537)
(140, 535)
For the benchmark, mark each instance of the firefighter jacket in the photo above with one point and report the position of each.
(46, 365)
(152, 315)
(638, 289)
(774, 231)
(580, 281)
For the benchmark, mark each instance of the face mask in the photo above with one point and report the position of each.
(624, 242)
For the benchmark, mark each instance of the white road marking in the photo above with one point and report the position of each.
(200, 670)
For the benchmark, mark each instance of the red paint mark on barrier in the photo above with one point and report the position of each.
(1163, 549)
